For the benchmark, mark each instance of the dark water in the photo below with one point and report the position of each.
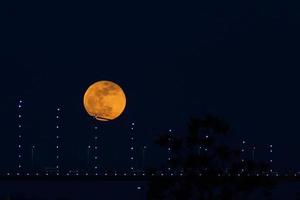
(87, 190)
(73, 190)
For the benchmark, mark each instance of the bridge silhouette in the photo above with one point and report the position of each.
(58, 173)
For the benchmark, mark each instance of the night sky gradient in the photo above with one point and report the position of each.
(239, 60)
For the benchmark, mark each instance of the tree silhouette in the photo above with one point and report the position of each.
(211, 168)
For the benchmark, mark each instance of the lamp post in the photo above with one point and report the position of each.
(96, 150)
(169, 148)
(58, 126)
(20, 134)
(143, 157)
(32, 157)
(271, 156)
(132, 149)
(253, 153)
(88, 157)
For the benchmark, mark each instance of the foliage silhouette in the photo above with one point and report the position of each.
(204, 151)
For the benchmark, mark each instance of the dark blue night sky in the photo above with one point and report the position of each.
(238, 60)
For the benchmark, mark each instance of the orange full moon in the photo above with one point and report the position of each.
(104, 100)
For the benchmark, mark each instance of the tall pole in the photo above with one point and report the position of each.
(93, 150)
(132, 148)
(243, 155)
(32, 157)
(169, 148)
(253, 153)
(20, 135)
(58, 126)
(96, 149)
(271, 157)
(143, 157)
(88, 158)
